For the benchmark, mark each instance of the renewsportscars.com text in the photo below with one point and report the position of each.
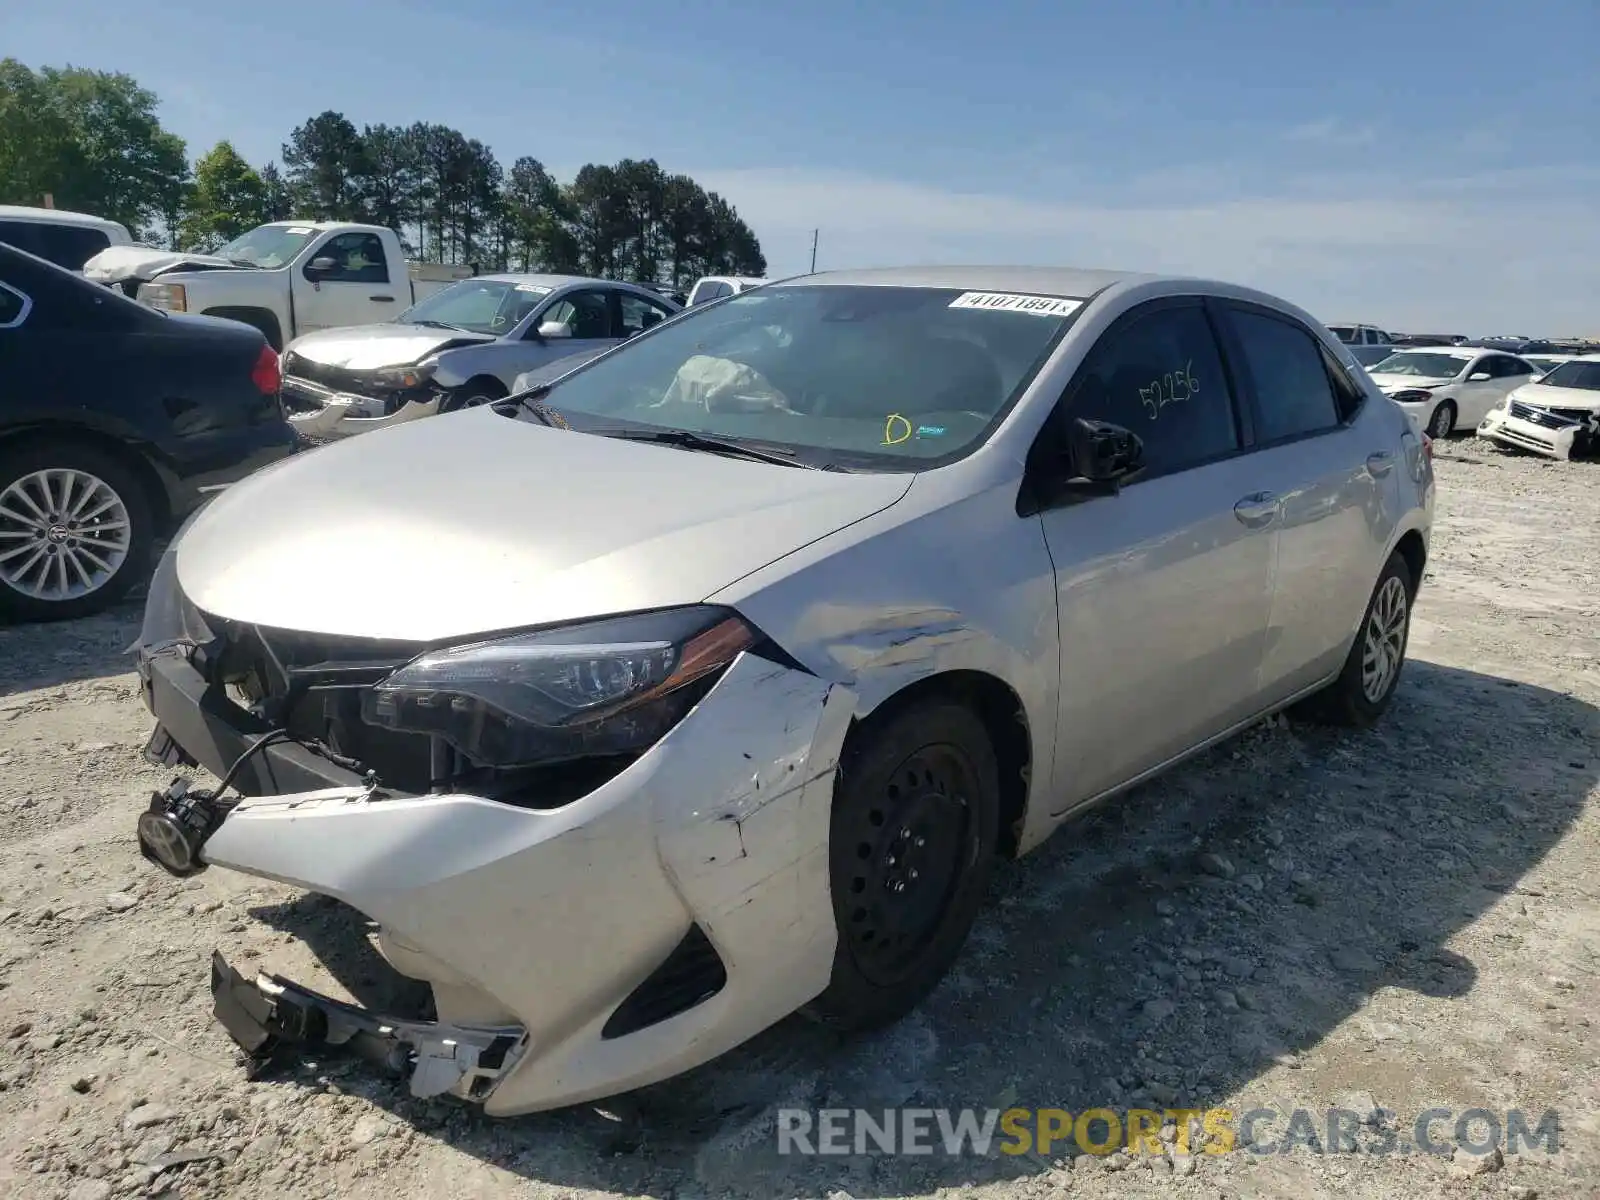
(1103, 1131)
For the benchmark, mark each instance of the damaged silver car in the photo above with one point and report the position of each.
(705, 683)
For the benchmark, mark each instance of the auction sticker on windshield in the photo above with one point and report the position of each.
(532, 287)
(1043, 306)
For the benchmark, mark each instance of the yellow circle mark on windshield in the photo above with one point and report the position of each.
(892, 426)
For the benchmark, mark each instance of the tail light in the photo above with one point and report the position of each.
(266, 375)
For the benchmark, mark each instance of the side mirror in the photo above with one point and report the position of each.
(1102, 455)
(1478, 377)
(555, 329)
(322, 265)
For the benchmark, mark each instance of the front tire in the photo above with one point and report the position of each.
(916, 821)
(1371, 673)
(76, 528)
(472, 395)
(1443, 422)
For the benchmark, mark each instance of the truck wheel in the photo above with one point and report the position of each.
(76, 528)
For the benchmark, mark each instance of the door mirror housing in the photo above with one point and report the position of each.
(322, 265)
(555, 329)
(1101, 456)
(1478, 377)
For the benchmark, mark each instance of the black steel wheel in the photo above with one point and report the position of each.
(912, 843)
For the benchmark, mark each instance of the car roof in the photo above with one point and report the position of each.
(1058, 281)
(560, 281)
(56, 216)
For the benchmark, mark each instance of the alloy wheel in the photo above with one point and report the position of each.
(64, 534)
(1385, 640)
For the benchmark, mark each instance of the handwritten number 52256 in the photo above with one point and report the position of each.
(1172, 388)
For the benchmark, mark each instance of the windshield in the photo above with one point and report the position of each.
(888, 378)
(269, 246)
(1426, 366)
(1584, 376)
(1345, 333)
(481, 305)
(1541, 363)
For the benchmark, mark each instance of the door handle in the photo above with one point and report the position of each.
(1380, 463)
(1257, 509)
(381, 299)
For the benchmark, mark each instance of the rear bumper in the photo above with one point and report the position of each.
(701, 867)
(224, 459)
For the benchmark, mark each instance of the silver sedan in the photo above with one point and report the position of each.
(706, 683)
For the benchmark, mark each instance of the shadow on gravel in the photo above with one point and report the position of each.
(49, 654)
(1343, 863)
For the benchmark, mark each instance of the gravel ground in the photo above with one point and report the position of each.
(1405, 918)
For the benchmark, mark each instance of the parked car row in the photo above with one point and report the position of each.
(860, 582)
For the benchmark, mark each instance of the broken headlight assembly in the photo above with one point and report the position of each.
(405, 379)
(614, 686)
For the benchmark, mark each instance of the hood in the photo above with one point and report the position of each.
(474, 522)
(1388, 383)
(1542, 396)
(116, 263)
(370, 347)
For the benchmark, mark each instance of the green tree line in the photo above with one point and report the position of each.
(91, 140)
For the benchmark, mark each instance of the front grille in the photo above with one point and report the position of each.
(691, 975)
(1544, 417)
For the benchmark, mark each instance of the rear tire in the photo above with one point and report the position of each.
(86, 513)
(1443, 421)
(916, 821)
(1371, 672)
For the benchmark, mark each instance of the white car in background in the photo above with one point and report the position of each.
(1367, 343)
(1557, 415)
(715, 287)
(1446, 388)
(1545, 363)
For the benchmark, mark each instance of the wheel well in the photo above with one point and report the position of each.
(1000, 709)
(1415, 553)
(257, 318)
(488, 382)
(155, 490)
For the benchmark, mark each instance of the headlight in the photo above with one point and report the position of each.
(405, 378)
(605, 687)
(168, 296)
(1411, 396)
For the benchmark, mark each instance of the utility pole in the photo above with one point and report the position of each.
(814, 234)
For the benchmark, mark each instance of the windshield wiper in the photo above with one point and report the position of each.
(245, 262)
(435, 324)
(687, 439)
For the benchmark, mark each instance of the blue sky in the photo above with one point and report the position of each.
(1415, 164)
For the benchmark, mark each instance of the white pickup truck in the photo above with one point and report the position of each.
(285, 278)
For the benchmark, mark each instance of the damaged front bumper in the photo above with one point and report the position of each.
(321, 413)
(1536, 430)
(269, 1015)
(573, 952)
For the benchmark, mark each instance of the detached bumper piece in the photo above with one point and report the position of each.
(273, 1019)
(321, 413)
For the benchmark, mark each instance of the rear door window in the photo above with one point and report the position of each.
(1293, 392)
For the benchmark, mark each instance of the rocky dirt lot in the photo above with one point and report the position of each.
(1407, 918)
